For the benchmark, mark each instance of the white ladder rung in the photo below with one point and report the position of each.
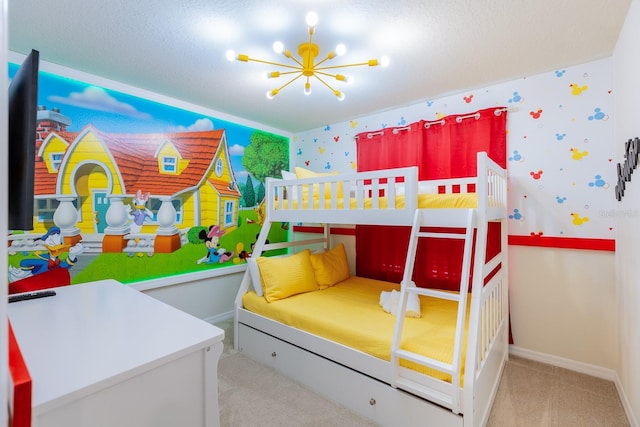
(440, 235)
(425, 361)
(451, 296)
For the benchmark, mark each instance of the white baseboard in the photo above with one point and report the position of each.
(584, 368)
(561, 362)
(633, 421)
(219, 317)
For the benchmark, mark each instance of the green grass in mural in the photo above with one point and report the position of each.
(137, 267)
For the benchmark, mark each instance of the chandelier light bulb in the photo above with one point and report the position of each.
(312, 19)
(278, 47)
(272, 93)
(339, 94)
(384, 61)
(231, 55)
(307, 88)
(341, 49)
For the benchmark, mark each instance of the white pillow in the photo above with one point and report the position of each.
(286, 175)
(423, 188)
(426, 188)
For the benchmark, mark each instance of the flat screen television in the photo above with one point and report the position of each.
(23, 110)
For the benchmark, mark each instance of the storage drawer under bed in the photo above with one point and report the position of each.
(364, 395)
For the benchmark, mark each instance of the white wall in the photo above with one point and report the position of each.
(627, 125)
(563, 306)
(209, 299)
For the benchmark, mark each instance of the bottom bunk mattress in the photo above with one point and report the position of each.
(349, 313)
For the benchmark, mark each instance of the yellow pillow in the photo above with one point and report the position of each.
(302, 173)
(286, 276)
(330, 267)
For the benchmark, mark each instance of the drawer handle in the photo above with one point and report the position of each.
(372, 401)
(273, 354)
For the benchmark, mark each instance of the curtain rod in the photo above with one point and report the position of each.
(427, 125)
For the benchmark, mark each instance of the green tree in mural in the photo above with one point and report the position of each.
(260, 192)
(266, 155)
(249, 193)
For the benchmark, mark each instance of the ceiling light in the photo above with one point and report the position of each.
(306, 66)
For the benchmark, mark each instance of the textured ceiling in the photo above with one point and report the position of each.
(177, 48)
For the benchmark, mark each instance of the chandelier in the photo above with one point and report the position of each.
(306, 66)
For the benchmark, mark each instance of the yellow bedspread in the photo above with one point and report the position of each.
(349, 313)
(451, 200)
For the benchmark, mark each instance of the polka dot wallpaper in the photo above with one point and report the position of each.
(559, 147)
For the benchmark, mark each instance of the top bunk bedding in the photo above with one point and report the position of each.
(385, 197)
(425, 201)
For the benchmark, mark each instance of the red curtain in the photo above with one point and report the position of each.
(442, 149)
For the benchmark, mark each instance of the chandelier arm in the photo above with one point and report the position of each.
(324, 83)
(325, 74)
(277, 64)
(289, 82)
(342, 66)
(326, 58)
(293, 58)
(282, 73)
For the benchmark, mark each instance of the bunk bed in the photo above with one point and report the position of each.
(381, 365)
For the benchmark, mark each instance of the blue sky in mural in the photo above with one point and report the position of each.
(117, 112)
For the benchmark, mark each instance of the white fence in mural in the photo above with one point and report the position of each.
(136, 243)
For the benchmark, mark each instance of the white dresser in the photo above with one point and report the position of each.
(103, 354)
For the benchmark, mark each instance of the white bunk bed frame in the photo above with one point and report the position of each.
(381, 390)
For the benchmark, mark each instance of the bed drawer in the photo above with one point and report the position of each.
(364, 395)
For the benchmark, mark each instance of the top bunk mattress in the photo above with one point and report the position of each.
(425, 201)
(349, 313)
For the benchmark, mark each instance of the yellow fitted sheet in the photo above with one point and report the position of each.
(425, 201)
(349, 313)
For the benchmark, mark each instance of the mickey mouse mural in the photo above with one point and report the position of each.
(215, 254)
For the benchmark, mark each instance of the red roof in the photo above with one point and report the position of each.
(135, 159)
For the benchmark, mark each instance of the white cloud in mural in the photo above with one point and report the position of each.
(198, 126)
(241, 175)
(96, 98)
(236, 150)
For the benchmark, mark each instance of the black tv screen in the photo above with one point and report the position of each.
(23, 110)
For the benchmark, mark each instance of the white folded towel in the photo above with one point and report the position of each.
(389, 302)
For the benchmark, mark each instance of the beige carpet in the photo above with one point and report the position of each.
(530, 394)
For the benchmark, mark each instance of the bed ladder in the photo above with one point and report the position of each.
(452, 399)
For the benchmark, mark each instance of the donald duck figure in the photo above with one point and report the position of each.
(54, 244)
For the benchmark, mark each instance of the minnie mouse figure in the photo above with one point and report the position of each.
(215, 254)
